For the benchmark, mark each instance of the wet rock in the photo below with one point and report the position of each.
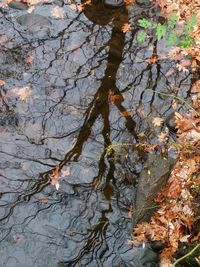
(143, 2)
(114, 3)
(17, 5)
(171, 122)
(142, 257)
(34, 21)
(153, 178)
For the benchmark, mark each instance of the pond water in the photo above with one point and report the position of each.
(75, 84)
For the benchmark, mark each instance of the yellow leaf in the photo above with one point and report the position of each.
(157, 121)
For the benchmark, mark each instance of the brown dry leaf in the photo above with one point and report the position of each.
(65, 172)
(157, 121)
(126, 113)
(196, 87)
(55, 178)
(29, 59)
(95, 183)
(182, 68)
(42, 199)
(162, 137)
(174, 104)
(130, 212)
(58, 12)
(169, 72)
(186, 62)
(152, 60)
(23, 93)
(188, 123)
(2, 82)
(126, 27)
(116, 99)
(128, 2)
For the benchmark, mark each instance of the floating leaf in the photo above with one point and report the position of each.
(157, 121)
(42, 199)
(141, 37)
(145, 23)
(126, 27)
(160, 31)
(172, 21)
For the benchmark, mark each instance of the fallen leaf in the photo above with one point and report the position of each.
(55, 178)
(42, 199)
(174, 104)
(29, 59)
(182, 68)
(116, 99)
(157, 121)
(126, 113)
(184, 238)
(169, 72)
(126, 27)
(152, 60)
(162, 137)
(65, 172)
(2, 82)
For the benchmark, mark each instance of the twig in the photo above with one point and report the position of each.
(186, 255)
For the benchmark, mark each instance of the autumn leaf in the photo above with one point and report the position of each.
(187, 123)
(162, 137)
(95, 183)
(126, 27)
(126, 113)
(152, 60)
(65, 172)
(128, 2)
(29, 59)
(42, 199)
(55, 178)
(115, 98)
(2, 82)
(182, 68)
(157, 121)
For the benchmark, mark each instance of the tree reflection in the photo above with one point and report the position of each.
(87, 90)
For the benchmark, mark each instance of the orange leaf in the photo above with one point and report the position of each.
(29, 59)
(126, 113)
(42, 199)
(116, 99)
(152, 60)
(126, 27)
(54, 177)
(2, 82)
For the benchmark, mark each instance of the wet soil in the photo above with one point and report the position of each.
(75, 85)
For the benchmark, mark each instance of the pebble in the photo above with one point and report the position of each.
(18, 5)
(114, 3)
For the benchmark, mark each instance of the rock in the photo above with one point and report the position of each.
(152, 179)
(171, 122)
(114, 3)
(143, 2)
(33, 21)
(142, 257)
(17, 5)
(59, 3)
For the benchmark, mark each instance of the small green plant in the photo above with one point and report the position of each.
(169, 29)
